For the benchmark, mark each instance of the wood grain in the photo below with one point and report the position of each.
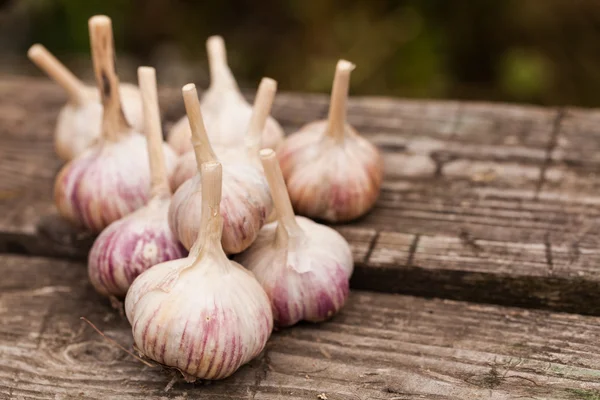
(381, 346)
(483, 202)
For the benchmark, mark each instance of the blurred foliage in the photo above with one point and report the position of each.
(539, 51)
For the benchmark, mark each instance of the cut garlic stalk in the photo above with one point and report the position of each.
(112, 178)
(246, 198)
(226, 112)
(247, 149)
(204, 315)
(79, 122)
(331, 172)
(303, 266)
(140, 240)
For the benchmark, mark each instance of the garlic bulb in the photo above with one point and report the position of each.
(186, 168)
(246, 199)
(226, 113)
(204, 315)
(140, 240)
(303, 266)
(251, 143)
(186, 164)
(331, 172)
(79, 122)
(112, 178)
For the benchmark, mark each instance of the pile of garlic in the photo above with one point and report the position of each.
(202, 313)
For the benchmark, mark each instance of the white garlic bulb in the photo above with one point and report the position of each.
(79, 122)
(226, 113)
(246, 199)
(185, 169)
(331, 172)
(204, 315)
(111, 178)
(140, 240)
(250, 143)
(303, 266)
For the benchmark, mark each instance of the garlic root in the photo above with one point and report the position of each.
(331, 172)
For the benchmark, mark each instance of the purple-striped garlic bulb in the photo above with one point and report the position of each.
(331, 172)
(79, 122)
(226, 113)
(246, 198)
(204, 315)
(304, 267)
(111, 178)
(142, 239)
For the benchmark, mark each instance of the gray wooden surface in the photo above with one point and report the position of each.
(487, 203)
(482, 202)
(381, 346)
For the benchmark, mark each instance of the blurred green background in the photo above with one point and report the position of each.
(535, 51)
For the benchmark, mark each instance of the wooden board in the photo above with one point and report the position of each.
(484, 202)
(381, 346)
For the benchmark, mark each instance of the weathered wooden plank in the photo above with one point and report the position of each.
(574, 160)
(380, 347)
(470, 198)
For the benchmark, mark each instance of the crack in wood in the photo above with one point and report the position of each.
(440, 159)
(469, 241)
(550, 147)
(262, 371)
(412, 250)
(371, 247)
(548, 251)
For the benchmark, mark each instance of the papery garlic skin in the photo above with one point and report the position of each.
(327, 179)
(208, 336)
(225, 112)
(226, 126)
(131, 245)
(187, 167)
(245, 205)
(106, 182)
(79, 125)
(307, 280)
(204, 315)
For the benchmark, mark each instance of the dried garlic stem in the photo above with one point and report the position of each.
(260, 112)
(281, 198)
(339, 99)
(202, 147)
(101, 37)
(220, 74)
(211, 223)
(57, 71)
(159, 180)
